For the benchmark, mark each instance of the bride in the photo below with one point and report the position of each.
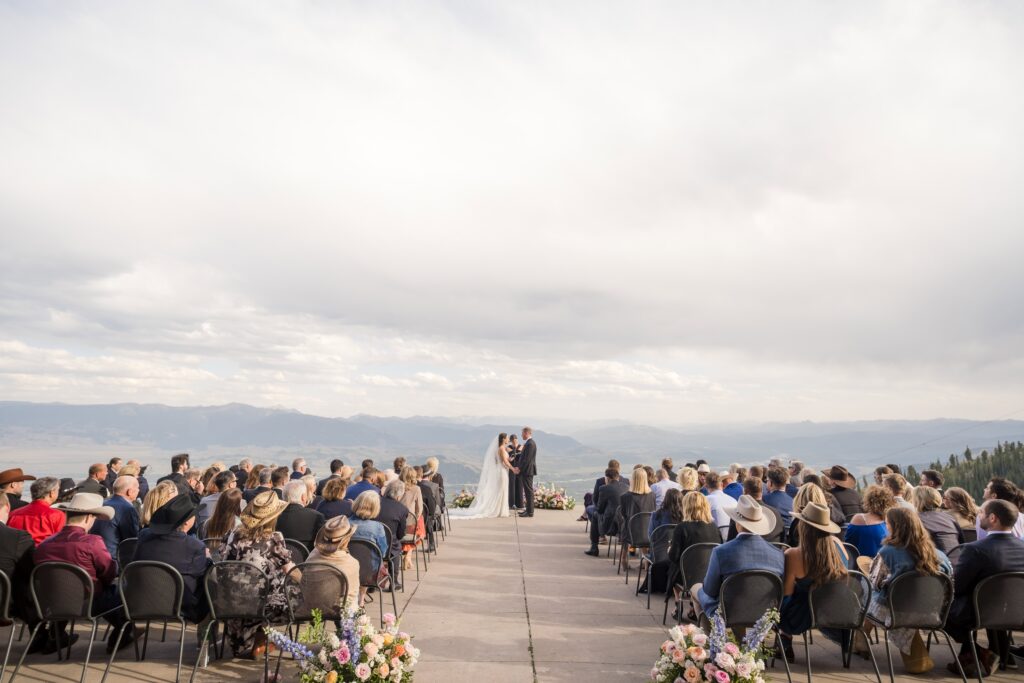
(492, 492)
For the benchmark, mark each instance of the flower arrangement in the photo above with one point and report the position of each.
(463, 499)
(550, 498)
(357, 652)
(690, 655)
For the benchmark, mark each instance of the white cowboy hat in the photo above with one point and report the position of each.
(87, 504)
(752, 516)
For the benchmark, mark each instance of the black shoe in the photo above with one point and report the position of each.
(593, 552)
(127, 639)
(50, 646)
(525, 514)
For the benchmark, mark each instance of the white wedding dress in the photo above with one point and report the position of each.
(491, 493)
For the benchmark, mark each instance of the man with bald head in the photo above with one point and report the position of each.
(125, 523)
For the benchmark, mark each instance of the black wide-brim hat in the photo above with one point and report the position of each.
(172, 514)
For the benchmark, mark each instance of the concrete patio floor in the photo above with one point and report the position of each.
(504, 600)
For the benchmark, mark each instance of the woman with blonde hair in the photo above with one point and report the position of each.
(155, 499)
(697, 527)
(413, 502)
(868, 528)
(805, 495)
(435, 476)
(959, 505)
(688, 480)
(943, 529)
(638, 499)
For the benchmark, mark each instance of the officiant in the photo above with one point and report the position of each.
(515, 491)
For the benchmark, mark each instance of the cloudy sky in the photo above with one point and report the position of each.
(665, 212)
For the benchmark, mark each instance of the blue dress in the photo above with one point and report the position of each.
(867, 537)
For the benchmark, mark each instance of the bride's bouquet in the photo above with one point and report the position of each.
(550, 498)
(463, 499)
(356, 652)
(690, 655)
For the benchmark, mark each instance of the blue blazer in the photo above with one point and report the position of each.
(124, 525)
(743, 553)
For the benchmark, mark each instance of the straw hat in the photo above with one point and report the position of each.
(840, 476)
(333, 534)
(13, 475)
(703, 467)
(87, 504)
(752, 516)
(262, 510)
(817, 515)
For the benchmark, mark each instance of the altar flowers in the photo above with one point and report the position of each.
(357, 652)
(551, 498)
(690, 655)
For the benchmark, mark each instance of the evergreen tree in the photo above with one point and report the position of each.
(972, 474)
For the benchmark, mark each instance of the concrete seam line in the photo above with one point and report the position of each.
(526, 601)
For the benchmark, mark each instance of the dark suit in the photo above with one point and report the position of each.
(527, 471)
(16, 501)
(124, 525)
(334, 508)
(300, 524)
(16, 552)
(179, 480)
(392, 515)
(249, 494)
(515, 493)
(323, 482)
(185, 553)
(90, 485)
(993, 554)
(608, 499)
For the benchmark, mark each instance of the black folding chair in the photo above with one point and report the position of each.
(693, 566)
(851, 555)
(315, 585)
(62, 592)
(395, 568)
(781, 546)
(636, 536)
(746, 596)
(5, 613)
(369, 554)
(126, 552)
(235, 590)
(841, 605)
(658, 552)
(150, 591)
(298, 550)
(998, 605)
(410, 539)
(918, 601)
(215, 546)
(954, 554)
(970, 535)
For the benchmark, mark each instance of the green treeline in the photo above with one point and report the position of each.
(972, 472)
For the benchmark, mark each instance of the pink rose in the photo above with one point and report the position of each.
(667, 647)
(362, 671)
(383, 670)
(654, 674)
(732, 649)
(342, 654)
(700, 639)
(721, 677)
(370, 650)
(678, 656)
(389, 619)
(692, 674)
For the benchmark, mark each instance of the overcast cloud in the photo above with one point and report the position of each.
(666, 212)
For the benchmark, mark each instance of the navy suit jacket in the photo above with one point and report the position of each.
(185, 553)
(353, 491)
(124, 525)
(745, 552)
(994, 554)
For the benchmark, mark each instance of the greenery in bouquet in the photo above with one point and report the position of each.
(357, 651)
(463, 499)
(551, 498)
(690, 655)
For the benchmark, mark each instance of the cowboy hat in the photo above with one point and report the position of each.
(816, 515)
(11, 476)
(752, 516)
(172, 514)
(87, 504)
(840, 476)
(703, 467)
(332, 535)
(262, 510)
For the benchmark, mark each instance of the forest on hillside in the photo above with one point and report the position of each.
(972, 472)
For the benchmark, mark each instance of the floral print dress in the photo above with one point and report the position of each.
(272, 556)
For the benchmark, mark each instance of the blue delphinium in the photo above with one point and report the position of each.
(718, 638)
(285, 644)
(760, 630)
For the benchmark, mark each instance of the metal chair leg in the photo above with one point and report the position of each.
(871, 652)
(7, 655)
(807, 655)
(959, 666)
(888, 657)
(21, 659)
(202, 649)
(88, 651)
(113, 653)
(785, 661)
(181, 651)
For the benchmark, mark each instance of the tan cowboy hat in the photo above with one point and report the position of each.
(703, 467)
(332, 535)
(864, 564)
(262, 510)
(11, 476)
(841, 476)
(87, 504)
(752, 516)
(817, 515)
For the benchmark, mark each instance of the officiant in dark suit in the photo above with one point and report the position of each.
(515, 493)
(527, 470)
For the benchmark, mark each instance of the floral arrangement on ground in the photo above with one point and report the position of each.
(358, 651)
(551, 498)
(463, 499)
(690, 655)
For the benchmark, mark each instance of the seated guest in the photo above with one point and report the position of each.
(867, 529)
(253, 480)
(365, 509)
(256, 542)
(731, 486)
(834, 508)
(796, 479)
(331, 546)
(777, 498)
(431, 505)
(998, 552)
(1000, 488)
(687, 480)
(881, 473)
(844, 489)
(298, 522)
(907, 548)
(931, 479)
(662, 484)
(899, 489)
(591, 509)
(365, 484)
(314, 500)
(179, 465)
(670, 513)
(336, 466)
(697, 527)
(720, 503)
(637, 500)
(94, 482)
(959, 505)
(299, 469)
(225, 518)
(745, 552)
(413, 501)
(752, 487)
(603, 522)
(38, 518)
(279, 476)
(393, 515)
(703, 470)
(126, 518)
(397, 466)
(807, 493)
(157, 496)
(944, 531)
(113, 471)
(820, 559)
(434, 475)
(334, 503)
(207, 477)
(166, 540)
(263, 483)
(132, 468)
(12, 483)
(222, 481)
(75, 545)
(16, 561)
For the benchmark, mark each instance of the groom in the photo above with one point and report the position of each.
(527, 466)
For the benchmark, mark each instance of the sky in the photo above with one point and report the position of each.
(661, 212)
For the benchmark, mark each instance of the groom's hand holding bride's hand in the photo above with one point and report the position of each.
(515, 470)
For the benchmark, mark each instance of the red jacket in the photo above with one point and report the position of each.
(38, 519)
(73, 545)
